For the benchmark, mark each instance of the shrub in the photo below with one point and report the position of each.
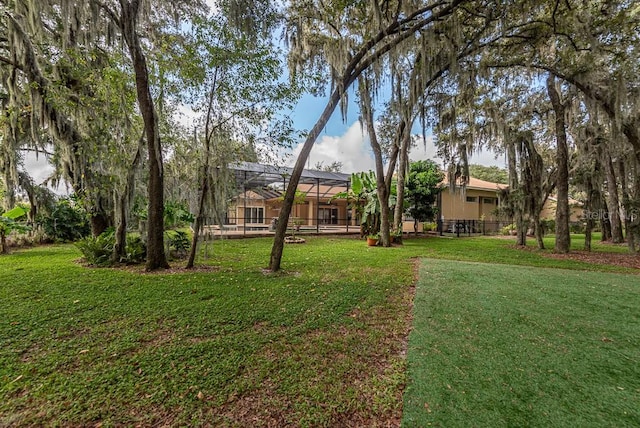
(548, 225)
(98, 251)
(507, 229)
(179, 243)
(66, 223)
(136, 250)
(576, 227)
(429, 227)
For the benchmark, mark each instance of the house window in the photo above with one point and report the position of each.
(491, 201)
(472, 199)
(253, 215)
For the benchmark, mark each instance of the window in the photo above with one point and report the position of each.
(253, 215)
(491, 201)
(472, 199)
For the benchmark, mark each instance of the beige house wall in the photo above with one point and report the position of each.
(549, 210)
(470, 205)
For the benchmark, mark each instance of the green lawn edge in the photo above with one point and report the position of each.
(503, 345)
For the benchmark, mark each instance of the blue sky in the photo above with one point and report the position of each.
(346, 143)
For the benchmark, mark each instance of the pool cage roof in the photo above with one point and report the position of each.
(250, 175)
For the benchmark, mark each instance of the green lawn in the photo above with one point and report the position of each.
(317, 345)
(497, 345)
(320, 344)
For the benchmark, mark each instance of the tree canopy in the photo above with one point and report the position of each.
(95, 86)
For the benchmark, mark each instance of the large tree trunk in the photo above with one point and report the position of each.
(283, 218)
(156, 258)
(99, 222)
(613, 201)
(563, 238)
(588, 208)
(538, 232)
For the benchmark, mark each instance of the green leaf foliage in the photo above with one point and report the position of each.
(493, 174)
(16, 213)
(67, 222)
(422, 188)
(363, 193)
(98, 251)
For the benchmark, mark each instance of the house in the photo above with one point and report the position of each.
(576, 209)
(256, 207)
(477, 200)
(260, 189)
(480, 198)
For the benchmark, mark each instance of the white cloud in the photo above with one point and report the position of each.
(425, 149)
(428, 151)
(37, 166)
(352, 149)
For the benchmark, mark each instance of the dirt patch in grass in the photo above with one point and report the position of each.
(363, 361)
(631, 261)
(174, 269)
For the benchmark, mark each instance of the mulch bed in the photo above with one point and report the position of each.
(615, 259)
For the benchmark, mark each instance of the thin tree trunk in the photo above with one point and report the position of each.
(374, 49)
(632, 221)
(156, 258)
(516, 199)
(381, 187)
(538, 232)
(204, 189)
(122, 205)
(563, 238)
(402, 168)
(603, 217)
(204, 186)
(628, 208)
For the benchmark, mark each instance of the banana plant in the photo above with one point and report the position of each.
(9, 223)
(363, 194)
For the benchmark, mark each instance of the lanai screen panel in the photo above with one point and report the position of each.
(250, 175)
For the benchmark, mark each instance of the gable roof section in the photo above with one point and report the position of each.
(477, 184)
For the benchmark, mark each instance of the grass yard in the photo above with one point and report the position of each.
(321, 344)
(318, 345)
(496, 345)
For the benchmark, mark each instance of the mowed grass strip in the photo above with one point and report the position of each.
(320, 344)
(497, 345)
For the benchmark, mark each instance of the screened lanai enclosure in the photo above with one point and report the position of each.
(258, 198)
